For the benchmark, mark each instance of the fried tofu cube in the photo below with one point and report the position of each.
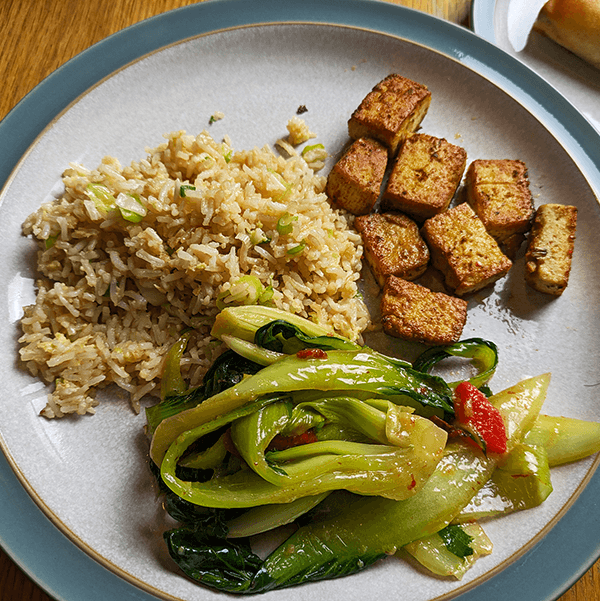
(392, 245)
(393, 109)
(424, 177)
(550, 248)
(354, 183)
(498, 191)
(413, 312)
(463, 251)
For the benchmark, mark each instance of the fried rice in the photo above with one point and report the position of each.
(129, 257)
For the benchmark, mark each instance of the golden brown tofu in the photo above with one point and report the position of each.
(393, 109)
(425, 176)
(498, 191)
(415, 313)
(550, 248)
(463, 251)
(499, 171)
(392, 246)
(354, 183)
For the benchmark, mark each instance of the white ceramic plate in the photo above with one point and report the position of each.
(577, 80)
(257, 61)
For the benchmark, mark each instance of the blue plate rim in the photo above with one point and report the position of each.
(40, 549)
(482, 19)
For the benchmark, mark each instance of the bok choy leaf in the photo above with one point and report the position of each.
(482, 353)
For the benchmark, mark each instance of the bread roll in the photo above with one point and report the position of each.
(575, 25)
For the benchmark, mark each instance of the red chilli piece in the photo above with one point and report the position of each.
(311, 353)
(477, 415)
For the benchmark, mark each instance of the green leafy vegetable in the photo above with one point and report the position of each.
(565, 439)
(268, 517)
(251, 351)
(224, 565)
(431, 551)
(311, 469)
(521, 482)
(243, 322)
(284, 337)
(344, 544)
(228, 370)
(295, 412)
(483, 355)
(456, 540)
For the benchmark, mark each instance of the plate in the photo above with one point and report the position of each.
(576, 79)
(76, 501)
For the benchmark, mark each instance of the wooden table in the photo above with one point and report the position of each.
(38, 37)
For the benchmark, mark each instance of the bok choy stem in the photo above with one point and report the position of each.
(346, 544)
(361, 370)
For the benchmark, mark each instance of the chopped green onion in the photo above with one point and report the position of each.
(266, 297)
(257, 237)
(287, 185)
(50, 241)
(247, 290)
(185, 187)
(296, 250)
(101, 196)
(131, 207)
(284, 225)
(313, 147)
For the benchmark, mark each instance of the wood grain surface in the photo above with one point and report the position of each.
(37, 37)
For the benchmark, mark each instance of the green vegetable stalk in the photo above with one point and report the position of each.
(243, 322)
(268, 517)
(373, 527)
(396, 469)
(521, 482)
(226, 371)
(565, 439)
(361, 370)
